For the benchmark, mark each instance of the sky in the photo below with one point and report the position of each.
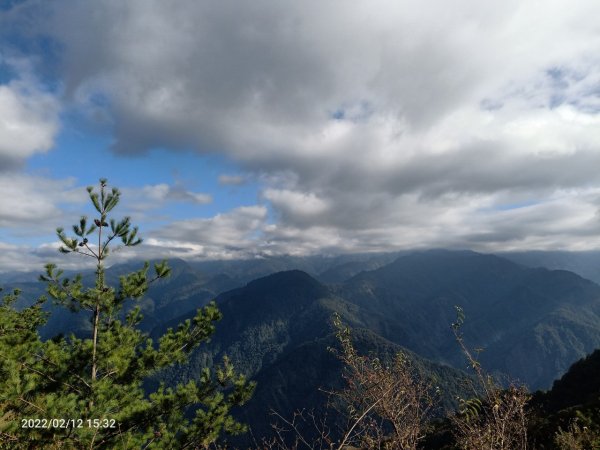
(248, 129)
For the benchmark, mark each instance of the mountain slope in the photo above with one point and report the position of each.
(304, 378)
(584, 263)
(277, 329)
(531, 323)
(262, 319)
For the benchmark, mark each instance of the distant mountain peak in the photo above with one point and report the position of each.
(286, 280)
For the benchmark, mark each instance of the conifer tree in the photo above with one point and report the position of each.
(88, 392)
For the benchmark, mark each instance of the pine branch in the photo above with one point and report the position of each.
(39, 408)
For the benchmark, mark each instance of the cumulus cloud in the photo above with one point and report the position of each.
(229, 234)
(371, 126)
(28, 117)
(146, 204)
(297, 207)
(159, 193)
(35, 205)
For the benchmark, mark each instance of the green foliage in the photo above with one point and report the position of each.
(568, 416)
(470, 409)
(88, 393)
(582, 434)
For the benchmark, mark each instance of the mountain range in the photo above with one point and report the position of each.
(530, 323)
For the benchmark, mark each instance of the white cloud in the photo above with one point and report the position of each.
(162, 192)
(28, 117)
(34, 205)
(29, 258)
(232, 233)
(152, 197)
(297, 207)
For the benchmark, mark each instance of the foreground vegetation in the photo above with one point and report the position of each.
(388, 405)
(69, 392)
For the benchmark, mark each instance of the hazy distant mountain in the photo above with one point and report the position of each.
(346, 270)
(585, 264)
(324, 268)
